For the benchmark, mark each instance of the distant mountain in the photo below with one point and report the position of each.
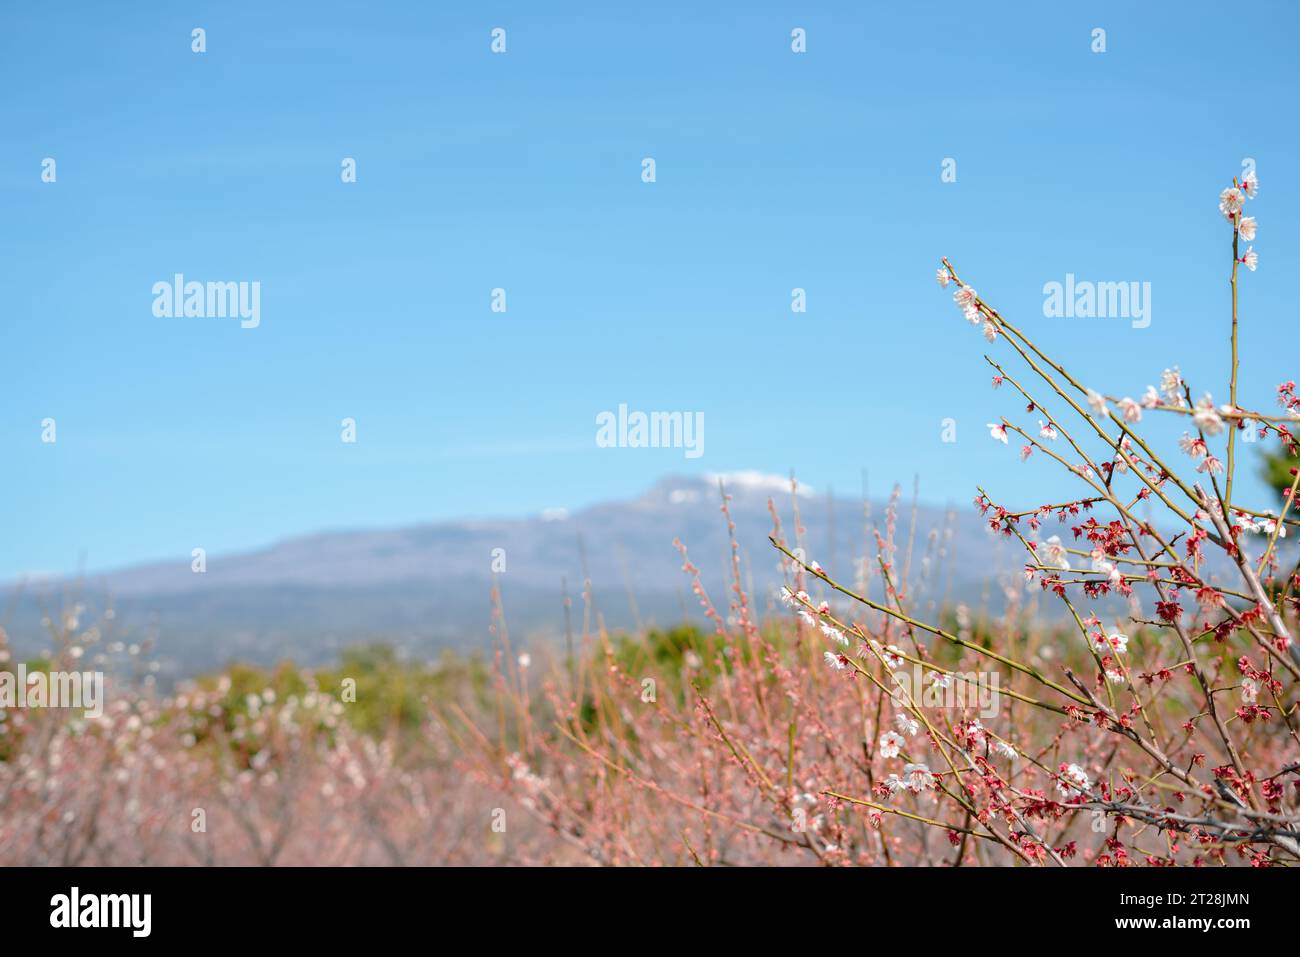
(428, 587)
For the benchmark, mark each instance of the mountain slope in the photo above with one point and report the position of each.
(428, 587)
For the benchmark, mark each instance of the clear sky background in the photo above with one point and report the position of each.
(522, 171)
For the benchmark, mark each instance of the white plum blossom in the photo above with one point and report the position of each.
(1247, 229)
(1125, 457)
(1005, 749)
(1249, 691)
(1150, 398)
(1246, 523)
(1171, 385)
(1109, 569)
(1250, 183)
(1230, 201)
(791, 599)
(1251, 259)
(1073, 781)
(1211, 465)
(1098, 403)
(1107, 643)
(1191, 446)
(1207, 417)
(906, 724)
(965, 297)
(521, 772)
(942, 277)
(918, 778)
(939, 680)
(1268, 525)
(1130, 410)
(891, 742)
(835, 661)
(834, 634)
(1046, 431)
(1054, 553)
(997, 431)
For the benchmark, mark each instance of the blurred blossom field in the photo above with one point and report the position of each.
(249, 768)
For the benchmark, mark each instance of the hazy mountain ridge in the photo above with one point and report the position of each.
(427, 587)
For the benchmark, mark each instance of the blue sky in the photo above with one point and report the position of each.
(522, 171)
